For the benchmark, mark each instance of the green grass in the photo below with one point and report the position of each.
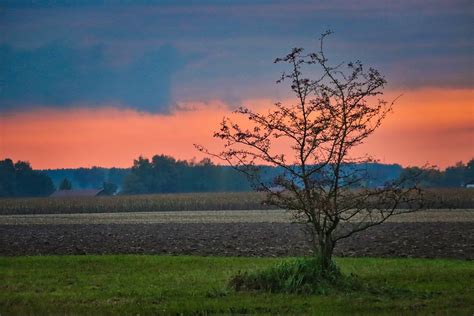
(128, 284)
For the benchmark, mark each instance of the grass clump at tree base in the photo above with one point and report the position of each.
(296, 276)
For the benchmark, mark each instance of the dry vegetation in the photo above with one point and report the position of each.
(441, 198)
(134, 203)
(236, 216)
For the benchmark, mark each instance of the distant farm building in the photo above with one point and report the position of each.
(79, 193)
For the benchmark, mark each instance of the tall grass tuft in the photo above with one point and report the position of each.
(298, 276)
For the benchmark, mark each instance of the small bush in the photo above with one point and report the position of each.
(299, 276)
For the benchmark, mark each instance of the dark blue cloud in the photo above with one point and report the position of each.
(64, 53)
(63, 75)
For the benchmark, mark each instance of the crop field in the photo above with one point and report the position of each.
(441, 198)
(436, 233)
(49, 262)
(219, 224)
(135, 203)
(237, 216)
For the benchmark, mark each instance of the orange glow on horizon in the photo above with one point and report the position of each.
(427, 126)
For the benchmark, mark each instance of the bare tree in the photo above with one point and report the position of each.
(321, 182)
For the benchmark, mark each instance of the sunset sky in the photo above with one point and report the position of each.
(103, 82)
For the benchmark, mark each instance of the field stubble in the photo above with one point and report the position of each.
(223, 224)
(237, 216)
(441, 199)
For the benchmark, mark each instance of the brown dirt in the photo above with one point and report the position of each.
(422, 239)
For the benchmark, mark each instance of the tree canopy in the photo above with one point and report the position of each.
(164, 174)
(335, 109)
(19, 179)
(65, 184)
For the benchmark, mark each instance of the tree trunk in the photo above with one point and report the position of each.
(324, 252)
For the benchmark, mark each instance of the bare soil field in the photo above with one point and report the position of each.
(436, 233)
(432, 239)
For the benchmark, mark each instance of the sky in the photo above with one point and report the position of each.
(99, 83)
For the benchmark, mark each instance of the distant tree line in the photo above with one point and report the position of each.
(165, 174)
(88, 178)
(19, 180)
(455, 176)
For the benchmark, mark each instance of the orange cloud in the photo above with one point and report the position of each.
(435, 126)
(427, 126)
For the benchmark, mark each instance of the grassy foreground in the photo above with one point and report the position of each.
(128, 284)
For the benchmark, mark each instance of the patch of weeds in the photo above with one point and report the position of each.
(391, 292)
(430, 294)
(225, 311)
(239, 310)
(298, 276)
(217, 293)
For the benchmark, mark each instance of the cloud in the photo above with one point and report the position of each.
(63, 75)
(149, 55)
